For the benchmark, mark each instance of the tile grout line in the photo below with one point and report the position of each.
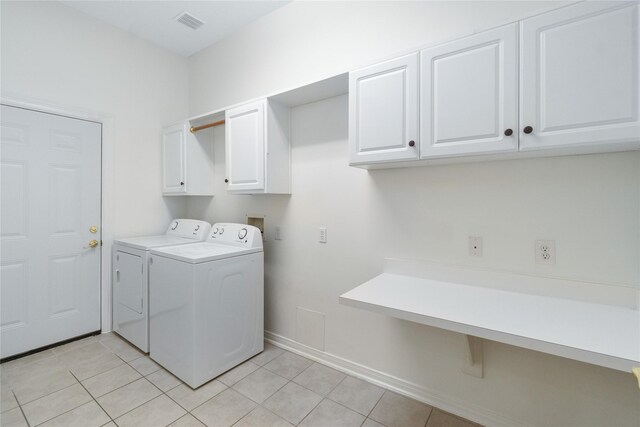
(117, 388)
(124, 385)
(161, 393)
(377, 401)
(62, 413)
(143, 403)
(21, 410)
(93, 398)
(331, 400)
(429, 417)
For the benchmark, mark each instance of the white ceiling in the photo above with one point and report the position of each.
(154, 20)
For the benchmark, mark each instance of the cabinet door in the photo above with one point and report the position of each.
(468, 96)
(580, 76)
(245, 147)
(383, 112)
(174, 159)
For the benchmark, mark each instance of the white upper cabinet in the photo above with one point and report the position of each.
(173, 159)
(257, 148)
(383, 112)
(580, 76)
(187, 161)
(468, 97)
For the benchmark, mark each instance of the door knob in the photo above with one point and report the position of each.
(93, 229)
(412, 143)
(527, 129)
(92, 244)
(508, 132)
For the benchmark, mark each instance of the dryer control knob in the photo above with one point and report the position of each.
(221, 231)
(242, 233)
(215, 230)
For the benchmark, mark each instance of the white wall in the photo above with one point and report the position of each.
(54, 55)
(305, 42)
(420, 213)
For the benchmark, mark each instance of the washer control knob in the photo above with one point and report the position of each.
(221, 231)
(215, 230)
(242, 233)
(174, 225)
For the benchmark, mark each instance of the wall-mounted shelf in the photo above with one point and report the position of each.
(593, 323)
(316, 91)
(257, 129)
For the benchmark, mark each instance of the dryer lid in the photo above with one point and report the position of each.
(197, 253)
(148, 242)
(180, 231)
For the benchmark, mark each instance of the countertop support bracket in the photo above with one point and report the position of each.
(473, 357)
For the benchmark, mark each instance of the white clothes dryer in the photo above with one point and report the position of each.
(130, 266)
(207, 303)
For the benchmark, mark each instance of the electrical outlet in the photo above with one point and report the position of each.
(278, 233)
(546, 252)
(323, 235)
(475, 246)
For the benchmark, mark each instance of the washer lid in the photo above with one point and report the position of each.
(202, 252)
(149, 242)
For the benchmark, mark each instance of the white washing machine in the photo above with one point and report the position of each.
(130, 276)
(207, 303)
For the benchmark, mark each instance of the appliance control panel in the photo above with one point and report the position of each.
(189, 229)
(243, 235)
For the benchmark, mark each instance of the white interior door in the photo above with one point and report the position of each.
(50, 200)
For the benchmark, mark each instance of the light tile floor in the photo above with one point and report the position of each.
(104, 381)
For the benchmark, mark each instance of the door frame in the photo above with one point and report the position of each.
(106, 186)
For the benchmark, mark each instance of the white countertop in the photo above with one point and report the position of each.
(602, 334)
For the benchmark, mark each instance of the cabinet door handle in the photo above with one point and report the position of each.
(117, 276)
(181, 183)
(226, 180)
(508, 132)
(527, 129)
(412, 143)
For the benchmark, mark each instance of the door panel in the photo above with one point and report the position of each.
(13, 283)
(65, 205)
(383, 111)
(64, 285)
(580, 75)
(13, 223)
(50, 288)
(468, 95)
(245, 145)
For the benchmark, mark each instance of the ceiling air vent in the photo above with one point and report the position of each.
(189, 20)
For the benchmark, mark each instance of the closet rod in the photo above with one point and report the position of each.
(195, 129)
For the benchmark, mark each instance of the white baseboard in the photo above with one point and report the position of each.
(433, 398)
